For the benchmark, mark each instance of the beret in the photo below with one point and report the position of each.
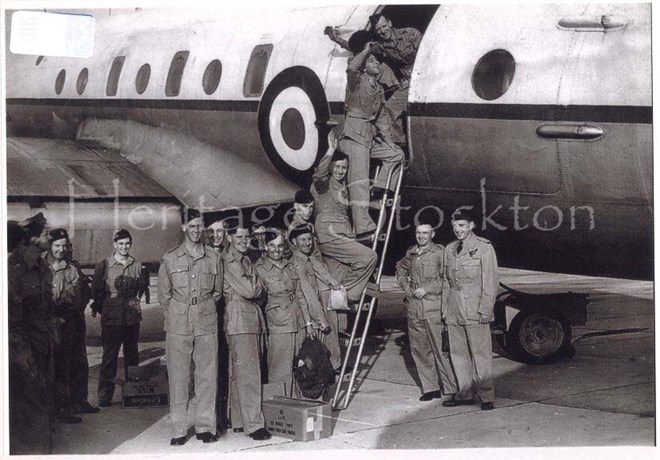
(303, 197)
(34, 225)
(462, 214)
(189, 214)
(58, 234)
(300, 230)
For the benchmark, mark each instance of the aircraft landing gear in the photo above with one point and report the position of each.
(541, 330)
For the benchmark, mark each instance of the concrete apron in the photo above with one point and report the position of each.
(604, 396)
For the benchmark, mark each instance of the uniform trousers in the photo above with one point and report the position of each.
(113, 337)
(471, 355)
(222, 408)
(282, 348)
(71, 365)
(245, 382)
(397, 103)
(358, 260)
(358, 176)
(182, 351)
(331, 341)
(425, 346)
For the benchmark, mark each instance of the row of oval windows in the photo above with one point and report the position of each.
(491, 77)
(210, 79)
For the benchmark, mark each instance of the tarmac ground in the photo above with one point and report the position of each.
(603, 396)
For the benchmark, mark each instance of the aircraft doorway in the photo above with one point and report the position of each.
(403, 17)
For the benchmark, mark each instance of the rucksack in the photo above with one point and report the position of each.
(312, 368)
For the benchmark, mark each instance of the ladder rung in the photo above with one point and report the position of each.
(344, 341)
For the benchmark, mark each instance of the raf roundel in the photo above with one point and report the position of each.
(288, 112)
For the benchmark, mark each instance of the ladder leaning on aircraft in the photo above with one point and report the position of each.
(381, 238)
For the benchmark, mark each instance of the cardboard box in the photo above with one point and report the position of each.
(146, 386)
(299, 419)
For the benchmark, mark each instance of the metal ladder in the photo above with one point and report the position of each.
(369, 296)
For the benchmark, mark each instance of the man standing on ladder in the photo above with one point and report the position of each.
(419, 274)
(366, 134)
(468, 299)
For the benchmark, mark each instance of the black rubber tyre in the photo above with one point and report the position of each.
(536, 337)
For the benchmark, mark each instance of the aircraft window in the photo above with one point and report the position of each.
(212, 75)
(256, 71)
(39, 59)
(174, 76)
(142, 78)
(81, 83)
(113, 77)
(493, 74)
(59, 81)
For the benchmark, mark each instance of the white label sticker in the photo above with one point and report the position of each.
(310, 424)
(52, 34)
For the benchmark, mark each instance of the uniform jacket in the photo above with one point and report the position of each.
(117, 288)
(242, 289)
(365, 98)
(316, 252)
(37, 300)
(188, 289)
(471, 281)
(67, 284)
(399, 52)
(286, 306)
(314, 277)
(422, 268)
(332, 204)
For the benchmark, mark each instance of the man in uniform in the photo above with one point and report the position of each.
(420, 274)
(468, 299)
(66, 289)
(258, 244)
(216, 240)
(398, 49)
(216, 236)
(39, 321)
(244, 326)
(316, 282)
(287, 314)
(190, 281)
(29, 424)
(349, 261)
(118, 283)
(80, 372)
(366, 134)
(303, 208)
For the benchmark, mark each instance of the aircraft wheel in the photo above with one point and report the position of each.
(537, 338)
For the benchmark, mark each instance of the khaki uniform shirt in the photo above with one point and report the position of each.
(66, 284)
(117, 288)
(314, 278)
(365, 117)
(242, 289)
(422, 268)
(399, 52)
(331, 205)
(472, 281)
(188, 288)
(286, 307)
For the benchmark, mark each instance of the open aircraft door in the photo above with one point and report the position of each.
(485, 78)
